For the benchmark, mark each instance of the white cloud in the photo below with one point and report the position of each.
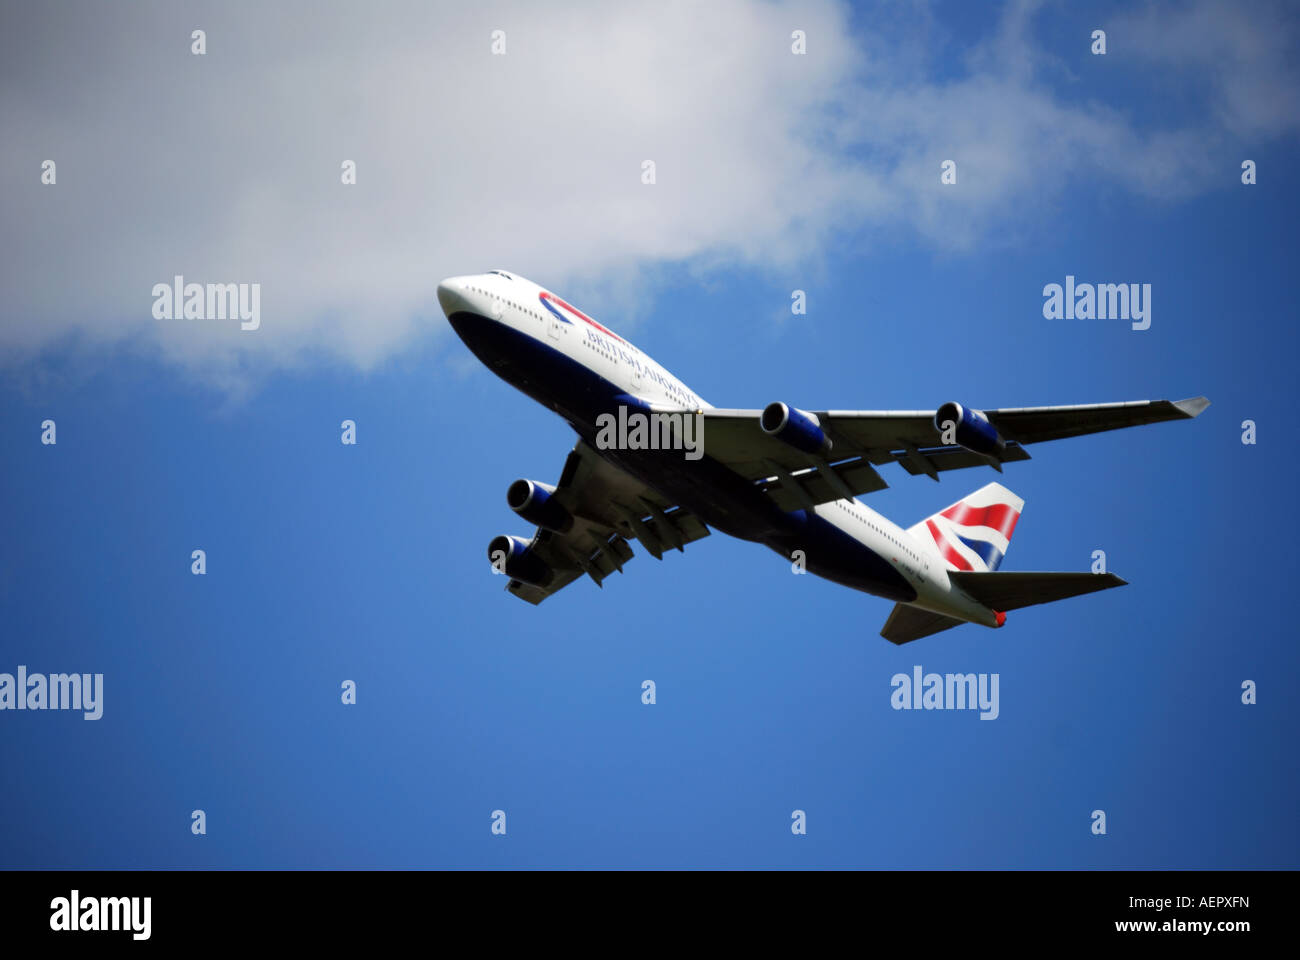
(226, 167)
(1245, 54)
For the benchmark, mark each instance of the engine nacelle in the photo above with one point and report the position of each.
(536, 503)
(801, 430)
(973, 430)
(512, 555)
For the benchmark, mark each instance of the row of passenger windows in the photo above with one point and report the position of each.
(590, 345)
(855, 507)
(535, 314)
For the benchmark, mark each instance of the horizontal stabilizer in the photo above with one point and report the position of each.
(912, 623)
(1011, 591)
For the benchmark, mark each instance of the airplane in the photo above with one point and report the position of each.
(781, 476)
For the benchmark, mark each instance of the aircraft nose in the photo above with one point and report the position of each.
(453, 296)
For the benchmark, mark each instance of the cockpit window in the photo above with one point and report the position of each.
(501, 273)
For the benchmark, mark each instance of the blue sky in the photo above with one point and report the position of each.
(367, 563)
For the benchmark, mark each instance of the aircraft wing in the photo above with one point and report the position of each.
(862, 440)
(608, 507)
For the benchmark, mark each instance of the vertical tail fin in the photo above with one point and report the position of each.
(973, 533)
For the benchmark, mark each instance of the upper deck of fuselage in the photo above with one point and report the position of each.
(529, 309)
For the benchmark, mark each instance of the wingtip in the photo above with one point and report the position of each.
(1192, 406)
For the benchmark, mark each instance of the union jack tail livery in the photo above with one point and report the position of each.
(969, 539)
(974, 533)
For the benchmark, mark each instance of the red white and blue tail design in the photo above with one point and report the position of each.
(974, 533)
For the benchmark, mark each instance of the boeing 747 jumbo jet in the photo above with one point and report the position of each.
(657, 464)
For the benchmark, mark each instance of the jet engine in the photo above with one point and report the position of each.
(801, 430)
(973, 430)
(512, 555)
(536, 503)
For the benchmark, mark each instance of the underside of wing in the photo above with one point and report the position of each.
(602, 509)
(1037, 424)
(802, 459)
